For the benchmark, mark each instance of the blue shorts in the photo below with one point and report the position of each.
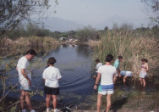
(106, 89)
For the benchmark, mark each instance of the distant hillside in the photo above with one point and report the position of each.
(58, 24)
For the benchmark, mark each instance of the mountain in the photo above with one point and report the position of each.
(58, 24)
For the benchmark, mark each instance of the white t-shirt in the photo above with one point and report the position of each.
(107, 73)
(23, 63)
(51, 75)
(98, 65)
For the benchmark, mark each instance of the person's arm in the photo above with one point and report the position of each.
(147, 67)
(43, 76)
(25, 76)
(114, 78)
(97, 80)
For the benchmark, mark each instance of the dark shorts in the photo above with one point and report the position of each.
(51, 91)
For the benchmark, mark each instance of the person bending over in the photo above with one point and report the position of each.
(125, 75)
(25, 79)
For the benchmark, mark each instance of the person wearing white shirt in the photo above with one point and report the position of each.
(98, 64)
(25, 79)
(107, 75)
(51, 76)
(125, 74)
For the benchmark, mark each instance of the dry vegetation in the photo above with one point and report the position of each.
(42, 45)
(132, 47)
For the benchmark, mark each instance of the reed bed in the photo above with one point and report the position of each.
(132, 47)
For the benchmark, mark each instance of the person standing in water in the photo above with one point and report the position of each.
(107, 74)
(117, 65)
(143, 72)
(25, 79)
(51, 76)
(125, 75)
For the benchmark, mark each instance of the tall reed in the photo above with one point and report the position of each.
(132, 46)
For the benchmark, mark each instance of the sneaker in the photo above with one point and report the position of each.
(32, 110)
(24, 110)
(56, 110)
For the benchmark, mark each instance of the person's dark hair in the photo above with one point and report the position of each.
(51, 61)
(120, 57)
(97, 60)
(144, 60)
(32, 52)
(109, 58)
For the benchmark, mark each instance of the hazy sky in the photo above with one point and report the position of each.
(99, 13)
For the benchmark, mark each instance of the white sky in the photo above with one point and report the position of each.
(98, 13)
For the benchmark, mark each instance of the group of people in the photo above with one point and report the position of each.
(105, 79)
(107, 75)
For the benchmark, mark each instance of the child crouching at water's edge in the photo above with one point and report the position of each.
(51, 76)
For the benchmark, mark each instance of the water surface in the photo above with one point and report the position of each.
(75, 64)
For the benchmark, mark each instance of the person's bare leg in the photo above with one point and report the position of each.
(108, 102)
(144, 83)
(27, 99)
(54, 101)
(22, 96)
(141, 82)
(47, 100)
(124, 79)
(99, 97)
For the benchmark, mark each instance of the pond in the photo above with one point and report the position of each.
(75, 64)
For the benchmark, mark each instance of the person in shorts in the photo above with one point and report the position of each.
(117, 65)
(25, 79)
(107, 75)
(51, 76)
(126, 74)
(143, 72)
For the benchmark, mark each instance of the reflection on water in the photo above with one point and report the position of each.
(83, 50)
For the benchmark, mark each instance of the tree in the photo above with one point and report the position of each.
(154, 5)
(106, 28)
(12, 12)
